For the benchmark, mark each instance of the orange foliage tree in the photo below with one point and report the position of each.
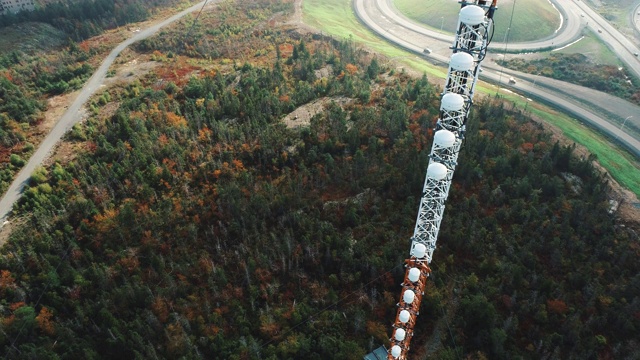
(351, 69)
(44, 321)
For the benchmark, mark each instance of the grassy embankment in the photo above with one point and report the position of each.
(622, 165)
(616, 12)
(528, 14)
(336, 17)
(595, 66)
(593, 48)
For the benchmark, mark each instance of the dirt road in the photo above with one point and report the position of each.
(74, 113)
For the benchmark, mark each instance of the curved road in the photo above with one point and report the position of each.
(556, 92)
(575, 16)
(618, 42)
(635, 18)
(570, 29)
(610, 107)
(73, 113)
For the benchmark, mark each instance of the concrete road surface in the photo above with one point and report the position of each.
(617, 41)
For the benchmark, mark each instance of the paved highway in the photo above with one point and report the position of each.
(611, 108)
(635, 18)
(74, 112)
(572, 98)
(570, 29)
(618, 42)
(575, 16)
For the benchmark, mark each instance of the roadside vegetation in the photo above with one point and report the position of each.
(26, 81)
(528, 15)
(336, 18)
(622, 165)
(31, 38)
(194, 224)
(44, 55)
(579, 69)
(593, 48)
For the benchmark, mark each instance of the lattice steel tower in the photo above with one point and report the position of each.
(475, 24)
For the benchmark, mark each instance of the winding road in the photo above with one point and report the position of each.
(568, 32)
(575, 16)
(595, 107)
(74, 113)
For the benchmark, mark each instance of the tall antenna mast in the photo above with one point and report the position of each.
(475, 22)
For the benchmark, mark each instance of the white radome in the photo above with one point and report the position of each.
(404, 316)
(444, 138)
(452, 102)
(461, 61)
(400, 334)
(408, 296)
(471, 15)
(414, 274)
(396, 351)
(419, 251)
(436, 171)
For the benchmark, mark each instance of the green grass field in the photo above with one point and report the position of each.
(528, 15)
(594, 49)
(617, 13)
(336, 18)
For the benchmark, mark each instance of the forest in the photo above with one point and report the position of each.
(29, 76)
(194, 224)
(27, 80)
(81, 19)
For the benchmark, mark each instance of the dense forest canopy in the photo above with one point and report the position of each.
(81, 19)
(195, 224)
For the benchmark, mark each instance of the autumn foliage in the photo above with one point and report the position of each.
(197, 225)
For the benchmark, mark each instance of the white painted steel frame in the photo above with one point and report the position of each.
(472, 40)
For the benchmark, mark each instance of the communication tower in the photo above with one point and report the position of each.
(475, 27)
